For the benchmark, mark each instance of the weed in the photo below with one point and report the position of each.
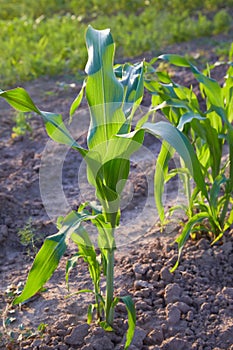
(22, 125)
(28, 238)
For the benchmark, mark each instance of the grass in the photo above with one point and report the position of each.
(38, 38)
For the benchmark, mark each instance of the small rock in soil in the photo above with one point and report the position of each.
(166, 275)
(103, 343)
(154, 337)
(172, 293)
(62, 347)
(173, 314)
(77, 335)
(140, 269)
(228, 292)
(187, 300)
(139, 284)
(87, 347)
(190, 316)
(176, 344)
(142, 305)
(227, 248)
(184, 308)
(226, 337)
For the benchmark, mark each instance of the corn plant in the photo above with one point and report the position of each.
(211, 133)
(113, 97)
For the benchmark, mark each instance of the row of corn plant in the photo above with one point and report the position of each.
(208, 126)
(113, 97)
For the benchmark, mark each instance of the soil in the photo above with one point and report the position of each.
(189, 309)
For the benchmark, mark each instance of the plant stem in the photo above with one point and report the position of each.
(109, 286)
(97, 302)
(224, 211)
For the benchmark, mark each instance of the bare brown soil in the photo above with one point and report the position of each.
(189, 309)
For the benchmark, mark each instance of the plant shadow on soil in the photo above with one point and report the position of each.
(189, 309)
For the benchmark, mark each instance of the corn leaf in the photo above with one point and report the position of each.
(186, 233)
(87, 251)
(229, 221)
(210, 86)
(108, 168)
(183, 147)
(48, 257)
(104, 92)
(77, 101)
(175, 59)
(161, 172)
(209, 135)
(19, 99)
(230, 142)
(127, 300)
(187, 118)
(71, 263)
(215, 190)
(132, 81)
(106, 238)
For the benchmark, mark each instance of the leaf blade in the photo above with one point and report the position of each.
(182, 145)
(127, 300)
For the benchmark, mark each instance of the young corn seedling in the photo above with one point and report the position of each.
(210, 131)
(113, 98)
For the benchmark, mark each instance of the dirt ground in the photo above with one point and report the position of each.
(189, 309)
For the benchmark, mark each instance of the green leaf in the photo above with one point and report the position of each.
(132, 81)
(80, 292)
(106, 326)
(19, 99)
(161, 172)
(87, 250)
(182, 145)
(71, 263)
(210, 86)
(58, 132)
(186, 233)
(105, 228)
(77, 101)
(104, 92)
(214, 192)
(45, 263)
(48, 257)
(230, 142)
(108, 168)
(129, 304)
(187, 118)
(210, 136)
(229, 220)
(90, 312)
(177, 60)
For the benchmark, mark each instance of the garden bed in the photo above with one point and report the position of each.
(189, 309)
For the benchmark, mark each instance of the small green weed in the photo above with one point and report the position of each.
(28, 239)
(22, 125)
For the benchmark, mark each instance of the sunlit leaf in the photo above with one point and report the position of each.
(129, 304)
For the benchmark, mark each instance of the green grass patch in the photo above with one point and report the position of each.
(41, 38)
